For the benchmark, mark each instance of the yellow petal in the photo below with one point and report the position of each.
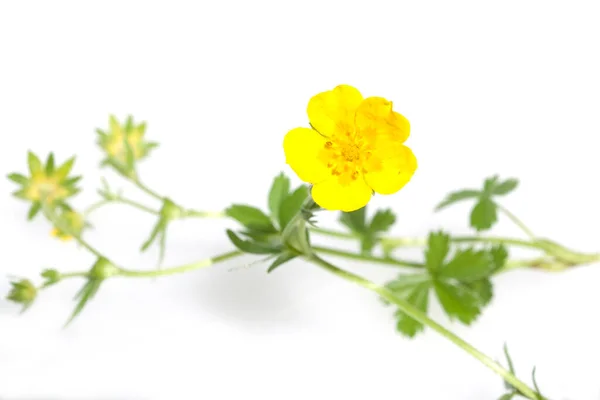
(302, 147)
(333, 111)
(332, 195)
(375, 118)
(394, 172)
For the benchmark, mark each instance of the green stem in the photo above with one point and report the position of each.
(516, 221)
(362, 257)
(421, 317)
(145, 188)
(120, 200)
(184, 268)
(74, 275)
(496, 240)
(204, 214)
(332, 233)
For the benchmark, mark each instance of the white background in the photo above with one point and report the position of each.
(509, 87)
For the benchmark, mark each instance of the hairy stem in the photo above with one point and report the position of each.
(516, 221)
(361, 257)
(181, 269)
(421, 317)
(120, 200)
(145, 188)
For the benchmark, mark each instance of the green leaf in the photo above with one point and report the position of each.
(18, 178)
(279, 191)
(499, 255)
(484, 214)
(505, 187)
(406, 282)
(292, 205)
(418, 297)
(535, 385)
(251, 217)
(489, 184)
(34, 163)
(355, 220)
(455, 197)
(63, 171)
(438, 245)
(458, 301)
(251, 247)
(382, 221)
(483, 289)
(508, 396)
(160, 226)
(468, 265)
(87, 292)
(50, 164)
(282, 259)
(34, 210)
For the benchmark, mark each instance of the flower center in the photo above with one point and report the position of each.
(350, 152)
(347, 156)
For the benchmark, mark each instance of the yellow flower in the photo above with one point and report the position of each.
(47, 184)
(119, 139)
(355, 148)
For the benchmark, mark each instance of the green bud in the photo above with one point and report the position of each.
(22, 292)
(52, 276)
(103, 269)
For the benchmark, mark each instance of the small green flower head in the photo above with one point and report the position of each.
(22, 292)
(46, 183)
(124, 144)
(70, 224)
(51, 276)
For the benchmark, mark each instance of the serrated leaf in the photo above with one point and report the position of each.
(489, 184)
(468, 265)
(499, 255)
(292, 205)
(483, 289)
(18, 178)
(251, 247)
(406, 282)
(438, 245)
(367, 243)
(505, 187)
(279, 191)
(50, 164)
(458, 196)
(457, 301)
(484, 214)
(63, 171)
(280, 260)
(382, 221)
(418, 297)
(34, 210)
(34, 164)
(355, 220)
(251, 217)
